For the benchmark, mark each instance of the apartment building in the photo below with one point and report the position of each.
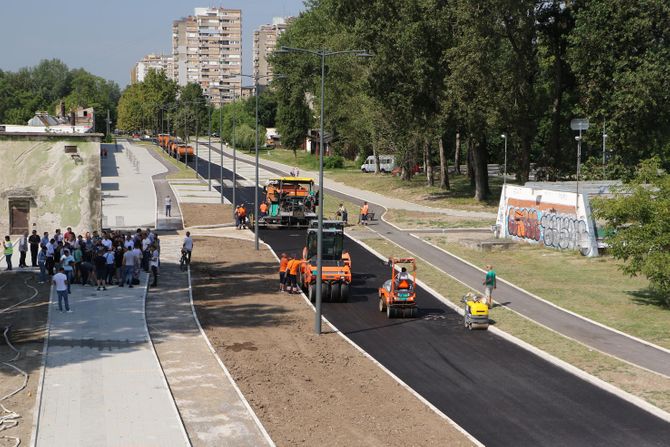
(207, 49)
(158, 62)
(265, 41)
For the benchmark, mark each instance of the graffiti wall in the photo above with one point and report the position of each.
(556, 219)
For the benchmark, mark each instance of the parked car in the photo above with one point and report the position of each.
(386, 164)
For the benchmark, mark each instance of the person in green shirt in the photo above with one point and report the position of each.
(490, 284)
(9, 251)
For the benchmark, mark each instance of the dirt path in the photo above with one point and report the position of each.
(306, 389)
(206, 214)
(28, 322)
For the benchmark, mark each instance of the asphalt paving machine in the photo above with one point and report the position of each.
(291, 201)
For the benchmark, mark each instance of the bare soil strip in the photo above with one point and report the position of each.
(28, 324)
(206, 214)
(306, 389)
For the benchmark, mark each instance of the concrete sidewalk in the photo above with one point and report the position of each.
(212, 409)
(103, 385)
(128, 195)
(600, 337)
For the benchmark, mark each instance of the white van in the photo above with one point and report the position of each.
(386, 163)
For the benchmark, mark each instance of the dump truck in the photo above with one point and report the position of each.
(292, 202)
(335, 263)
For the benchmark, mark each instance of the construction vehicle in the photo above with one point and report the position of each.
(184, 151)
(476, 315)
(335, 263)
(397, 296)
(292, 202)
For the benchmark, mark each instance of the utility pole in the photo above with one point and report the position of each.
(604, 151)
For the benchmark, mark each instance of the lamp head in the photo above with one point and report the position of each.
(365, 53)
(578, 138)
(281, 50)
(504, 135)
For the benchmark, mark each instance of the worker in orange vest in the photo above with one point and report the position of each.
(364, 214)
(283, 264)
(241, 212)
(293, 266)
(263, 208)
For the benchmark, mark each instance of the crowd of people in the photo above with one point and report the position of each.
(91, 259)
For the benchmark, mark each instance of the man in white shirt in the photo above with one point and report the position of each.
(128, 268)
(168, 206)
(154, 264)
(60, 281)
(188, 245)
(106, 242)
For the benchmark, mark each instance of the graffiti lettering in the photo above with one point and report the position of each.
(564, 232)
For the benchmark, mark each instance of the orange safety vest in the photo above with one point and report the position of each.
(293, 267)
(364, 209)
(283, 264)
(263, 207)
(242, 212)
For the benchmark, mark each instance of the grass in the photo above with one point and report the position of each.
(593, 287)
(185, 172)
(651, 387)
(460, 195)
(415, 220)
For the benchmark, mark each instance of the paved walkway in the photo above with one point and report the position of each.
(163, 190)
(103, 385)
(213, 412)
(599, 337)
(128, 195)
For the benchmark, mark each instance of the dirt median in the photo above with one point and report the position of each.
(28, 323)
(206, 214)
(306, 389)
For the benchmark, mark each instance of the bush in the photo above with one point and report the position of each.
(334, 162)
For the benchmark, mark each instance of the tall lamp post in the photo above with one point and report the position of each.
(319, 247)
(504, 136)
(221, 147)
(255, 78)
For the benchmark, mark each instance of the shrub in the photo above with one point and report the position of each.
(334, 162)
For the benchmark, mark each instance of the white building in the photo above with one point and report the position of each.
(158, 62)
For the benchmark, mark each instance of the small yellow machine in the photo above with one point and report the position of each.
(476, 312)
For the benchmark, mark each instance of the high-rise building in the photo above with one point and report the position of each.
(265, 41)
(158, 62)
(207, 49)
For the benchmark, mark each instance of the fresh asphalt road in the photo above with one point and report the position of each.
(500, 393)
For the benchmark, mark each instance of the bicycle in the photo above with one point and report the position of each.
(183, 261)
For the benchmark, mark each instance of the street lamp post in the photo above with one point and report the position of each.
(234, 158)
(209, 145)
(505, 165)
(221, 144)
(255, 78)
(579, 159)
(319, 247)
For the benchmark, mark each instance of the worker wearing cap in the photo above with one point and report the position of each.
(283, 264)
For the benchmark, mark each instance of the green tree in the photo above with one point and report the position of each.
(620, 55)
(639, 215)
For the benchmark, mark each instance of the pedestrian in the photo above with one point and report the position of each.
(364, 214)
(342, 213)
(78, 256)
(100, 269)
(60, 281)
(86, 270)
(34, 241)
(23, 250)
(109, 266)
(188, 245)
(42, 262)
(51, 262)
(67, 265)
(128, 268)
(283, 263)
(137, 253)
(146, 252)
(118, 265)
(9, 250)
(154, 264)
(168, 206)
(490, 283)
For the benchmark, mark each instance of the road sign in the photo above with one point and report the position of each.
(579, 124)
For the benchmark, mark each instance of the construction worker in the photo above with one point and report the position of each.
(364, 214)
(271, 193)
(292, 269)
(283, 264)
(263, 208)
(403, 277)
(241, 214)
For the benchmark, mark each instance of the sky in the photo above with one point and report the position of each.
(107, 37)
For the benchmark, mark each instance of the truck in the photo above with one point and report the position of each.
(292, 202)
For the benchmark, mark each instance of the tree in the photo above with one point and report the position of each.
(639, 215)
(620, 56)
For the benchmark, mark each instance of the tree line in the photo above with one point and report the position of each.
(449, 78)
(159, 105)
(44, 86)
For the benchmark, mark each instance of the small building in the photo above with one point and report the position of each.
(51, 178)
(313, 141)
